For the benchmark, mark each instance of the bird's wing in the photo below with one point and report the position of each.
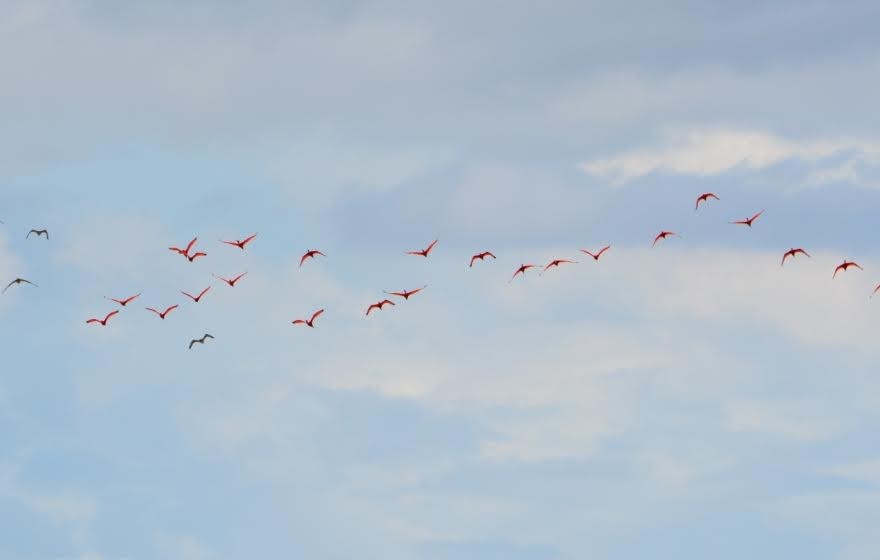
(605, 248)
(248, 240)
(92, 321)
(431, 246)
(208, 336)
(303, 259)
(316, 314)
(301, 322)
(191, 342)
(153, 310)
(190, 244)
(204, 291)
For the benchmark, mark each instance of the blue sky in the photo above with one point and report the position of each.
(689, 401)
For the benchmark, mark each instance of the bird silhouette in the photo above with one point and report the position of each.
(405, 294)
(240, 244)
(309, 322)
(379, 305)
(163, 314)
(480, 257)
(704, 198)
(197, 298)
(663, 235)
(228, 281)
(747, 222)
(103, 322)
(521, 270)
(556, 263)
(124, 302)
(793, 252)
(199, 340)
(844, 266)
(18, 281)
(310, 254)
(38, 233)
(424, 252)
(596, 255)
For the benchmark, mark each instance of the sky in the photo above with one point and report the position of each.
(688, 401)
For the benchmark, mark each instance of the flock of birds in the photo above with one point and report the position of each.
(191, 255)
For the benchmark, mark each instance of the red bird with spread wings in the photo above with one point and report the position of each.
(124, 302)
(596, 255)
(163, 314)
(663, 235)
(231, 282)
(877, 289)
(310, 254)
(103, 322)
(480, 256)
(184, 252)
(793, 252)
(379, 305)
(424, 252)
(556, 263)
(521, 270)
(749, 221)
(844, 266)
(198, 297)
(195, 256)
(309, 322)
(240, 244)
(405, 294)
(704, 198)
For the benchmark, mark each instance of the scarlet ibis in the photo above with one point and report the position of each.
(793, 252)
(703, 198)
(379, 305)
(228, 281)
(596, 255)
(103, 321)
(663, 235)
(195, 256)
(748, 222)
(556, 263)
(198, 297)
(309, 322)
(240, 244)
(405, 294)
(424, 252)
(163, 313)
(184, 252)
(846, 264)
(124, 302)
(480, 256)
(521, 270)
(310, 254)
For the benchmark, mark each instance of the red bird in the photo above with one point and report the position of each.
(228, 281)
(844, 266)
(103, 321)
(197, 255)
(521, 270)
(556, 263)
(198, 297)
(163, 313)
(792, 253)
(310, 254)
(703, 198)
(378, 305)
(749, 221)
(424, 252)
(184, 252)
(597, 255)
(123, 302)
(663, 235)
(240, 244)
(309, 322)
(405, 294)
(480, 256)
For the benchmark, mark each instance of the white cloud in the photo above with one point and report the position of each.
(710, 151)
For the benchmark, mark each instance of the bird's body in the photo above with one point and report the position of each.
(596, 256)
(200, 340)
(197, 298)
(163, 314)
(704, 198)
(230, 282)
(379, 305)
(242, 243)
(103, 322)
(310, 254)
(844, 266)
(424, 252)
(406, 293)
(18, 281)
(38, 233)
(480, 257)
(521, 270)
(309, 322)
(663, 235)
(124, 302)
(747, 222)
(793, 252)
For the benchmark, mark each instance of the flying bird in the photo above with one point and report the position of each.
(845, 266)
(793, 252)
(556, 263)
(123, 302)
(242, 243)
(521, 270)
(405, 294)
(228, 281)
(195, 256)
(18, 281)
(38, 232)
(184, 252)
(163, 313)
(103, 321)
(309, 322)
(198, 297)
(424, 252)
(704, 198)
(199, 340)
(749, 221)
(663, 235)
(379, 305)
(480, 256)
(877, 289)
(596, 255)
(310, 254)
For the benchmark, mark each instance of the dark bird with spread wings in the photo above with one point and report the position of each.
(18, 281)
(199, 340)
(38, 232)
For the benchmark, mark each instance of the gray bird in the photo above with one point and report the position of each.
(39, 232)
(18, 281)
(199, 340)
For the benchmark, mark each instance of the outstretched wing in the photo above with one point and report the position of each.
(190, 245)
(316, 314)
(431, 246)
